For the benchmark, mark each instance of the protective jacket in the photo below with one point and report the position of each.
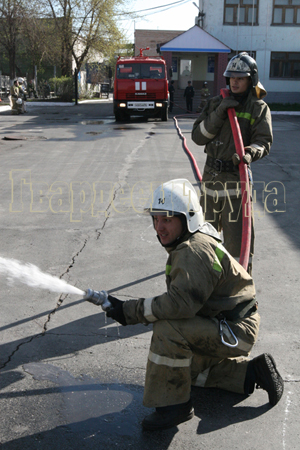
(202, 279)
(209, 129)
(14, 91)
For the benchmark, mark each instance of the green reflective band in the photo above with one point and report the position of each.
(220, 252)
(245, 116)
(168, 269)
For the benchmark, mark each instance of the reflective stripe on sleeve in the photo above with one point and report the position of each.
(168, 269)
(258, 147)
(245, 115)
(201, 378)
(148, 310)
(219, 254)
(165, 361)
(205, 132)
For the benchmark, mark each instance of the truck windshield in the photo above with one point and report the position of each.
(140, 70)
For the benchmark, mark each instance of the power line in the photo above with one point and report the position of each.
(167, 6)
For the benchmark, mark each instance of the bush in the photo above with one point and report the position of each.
(63, 88)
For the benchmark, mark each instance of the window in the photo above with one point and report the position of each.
(241, 12)
(286, 12)
(137, 70)
(234, 53)
(285, 65)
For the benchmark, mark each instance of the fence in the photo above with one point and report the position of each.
(4, 85)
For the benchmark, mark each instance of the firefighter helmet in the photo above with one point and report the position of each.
(21, 80)
(177, 197)
(243, 65)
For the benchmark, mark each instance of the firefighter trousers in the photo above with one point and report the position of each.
(190, 352)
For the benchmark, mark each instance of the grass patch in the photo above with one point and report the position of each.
(284, 106)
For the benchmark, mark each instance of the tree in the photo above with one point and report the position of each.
(40, 44)
(24, 35)
(85, 26)
(11, 17)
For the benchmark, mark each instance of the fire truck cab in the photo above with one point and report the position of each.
(141, 87)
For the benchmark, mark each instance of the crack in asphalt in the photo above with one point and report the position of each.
(280, 166)
(62, 297)
(17, 348)
(122, 179)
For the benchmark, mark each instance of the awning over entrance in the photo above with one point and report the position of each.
(195, 40)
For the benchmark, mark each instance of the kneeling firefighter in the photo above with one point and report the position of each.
(205, 324)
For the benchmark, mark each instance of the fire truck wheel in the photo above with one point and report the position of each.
(119, 116)
(164, 115)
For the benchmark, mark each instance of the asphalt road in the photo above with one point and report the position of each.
(73, 186)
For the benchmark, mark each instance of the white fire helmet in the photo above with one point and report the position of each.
(19, 101)
(21, 80)
(177, 197)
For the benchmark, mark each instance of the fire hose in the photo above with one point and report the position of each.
(195, 167)
(244, 178)
(245, 186)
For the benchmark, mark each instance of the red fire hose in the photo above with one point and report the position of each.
(195, 167)
(245, 186)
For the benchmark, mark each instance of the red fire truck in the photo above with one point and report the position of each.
(141, 87)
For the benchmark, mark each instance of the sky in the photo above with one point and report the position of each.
(173, 15)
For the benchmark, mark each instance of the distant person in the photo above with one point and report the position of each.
(171, 91)
(186, 72)
(14, 96)
(189, 93)
(23, 93)
(46, 89)
(204, 96)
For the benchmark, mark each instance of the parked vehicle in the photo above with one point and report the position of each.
(104, 90)
(141, 87)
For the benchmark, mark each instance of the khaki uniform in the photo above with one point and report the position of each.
(204, 283)
(204, 94)
(221, 194)
(14, 94)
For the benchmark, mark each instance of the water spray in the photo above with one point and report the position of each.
(32, 276)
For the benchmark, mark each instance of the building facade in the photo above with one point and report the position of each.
(193, 55)
(269, 30)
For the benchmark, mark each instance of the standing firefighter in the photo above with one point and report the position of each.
(204, 96)
(205, 324)
(15, 97)
(221, 199)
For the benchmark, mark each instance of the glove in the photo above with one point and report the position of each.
(227, 102)
(247, 158)
(116, 310)
(236, 159)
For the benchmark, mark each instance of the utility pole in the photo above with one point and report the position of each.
(201, 14)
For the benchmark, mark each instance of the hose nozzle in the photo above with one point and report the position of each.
(98, 298)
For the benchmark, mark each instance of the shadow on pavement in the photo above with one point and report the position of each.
(98, 415)
(89, 331)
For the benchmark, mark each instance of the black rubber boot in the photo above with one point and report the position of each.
(262, 372)
(169, 416)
